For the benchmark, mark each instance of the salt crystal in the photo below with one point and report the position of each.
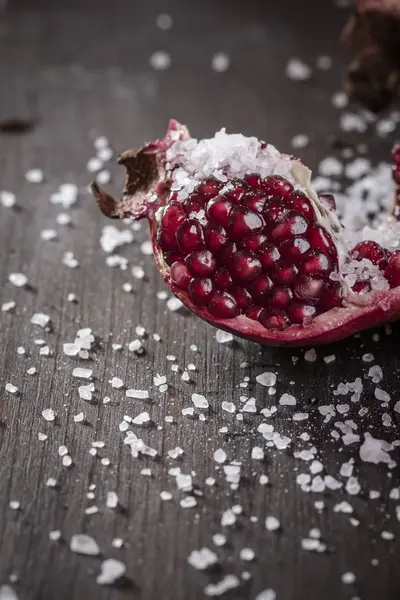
(300, 141)
(267, 594)
(220, 62)
(7, 199)
(228, 407)
(381, 395)
(117, 543)
(223, 337)
(104, 154)
(138, 394)
(142, 419)
(18, 279)
(94, 164)
(174, 304)
(160, 60)
(375, 373)
(85, 391)
(200, 401)
(112, 238)
(82, 373)
(202, 559)
(247, 554)
(7, 593)
(368, 357)
(330, 167)
(357, 168)
(165, 496)
(135, 346)
(116, 383)
(329, 359)
(287, 400)
(71, 349)
(67, 461)
(84, 544)
(188, 502)
(220, 456)
(40, 319)
(374, 450)
(266, 379)
(54, 536)
(348, 577)
(352, 122)
(79, 418)
(47, 235)
(12, 389)
(110, 571)
(112, 500)
(34, 176)
(353, 486)
(229, 582)
(8, 306)
(69, 260)
(15, 505)
(159, 380)
(228, 518)
(297, 70)
(387, 535)
(272, 523)
(48, 414)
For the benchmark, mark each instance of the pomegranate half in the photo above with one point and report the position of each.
(242, 239)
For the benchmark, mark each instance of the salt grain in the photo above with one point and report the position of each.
(297, 70)
(34, 176)
(220, 62)
(202, 559)
(272, 523)
(110, 571)
(18, 279)
(200, 401)
(7, 199)
(160, 60)
(48, 414)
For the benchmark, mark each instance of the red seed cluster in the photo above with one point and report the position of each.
(251, 247)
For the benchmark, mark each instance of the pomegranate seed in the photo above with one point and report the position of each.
(190, 236)
(274, 319)
(171, 257)
(216, 238)
(253, 180)
(201, 263)
(280, 297)
(301, 314)
(331, 297)
(317, 264)
(254, 312)
(228, 253)
(289, 225)
(269, 256)
(273, 211)
(300, 203)
(320, 240)
(261, 287)
(294, 250)
(392, 272)
(219, 210)
(222, 279)
(180, 274)
(309, 288)
(361, 287)
(396, 154)
(242, 297)
(236, 192)
(173, 216)
(253, 243)
(255, 202)
(201, 291)
(243, 223)
(284, 274)
(328, 201)
(209, 189)
(194, 204)
(223, 306)
(275, 185)
(245, 266)
(371, 250)
(396, 173)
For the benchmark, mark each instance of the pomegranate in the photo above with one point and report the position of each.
(242, 239)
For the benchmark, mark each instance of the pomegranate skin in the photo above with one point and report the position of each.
(230, 307)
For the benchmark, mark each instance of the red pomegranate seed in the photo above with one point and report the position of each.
(171, 257)
(173, 216)
(201, 291)
(396, 154)
(269, 256)
(216, 238)
(280, 297)
(361, 287)
(222, 279)
(190, 236)
(254, 312)
(331, 297)
(289, 225)
(236, 191)
(275, 185)
(285, 273)
(253, 243)
(372, 251)
(227, 254)
(209, 188)
(396, 173)
(253, 180)
(223, 306)
(201, 263)
(309, 289)
(392, 272)
(320, 240)
(294, 250)
(300, 203)
(261, 287)
(301, 314)
(317, 264)
(180, 274)
(273, 210)
(242, 297)
(244, 266)
(255, 202)
(219, 210)
(243, 223)
(274, 319)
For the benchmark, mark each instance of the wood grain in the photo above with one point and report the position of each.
(81, 69)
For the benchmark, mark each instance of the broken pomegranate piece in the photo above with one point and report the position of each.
(242, 239)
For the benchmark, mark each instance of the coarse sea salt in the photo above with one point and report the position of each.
(160, 60)
(18, 279)
(84, 544)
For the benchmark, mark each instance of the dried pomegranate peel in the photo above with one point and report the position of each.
(242, 239)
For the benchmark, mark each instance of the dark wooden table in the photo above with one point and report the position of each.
(81, 68)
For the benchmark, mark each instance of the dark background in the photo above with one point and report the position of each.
(81, 69)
